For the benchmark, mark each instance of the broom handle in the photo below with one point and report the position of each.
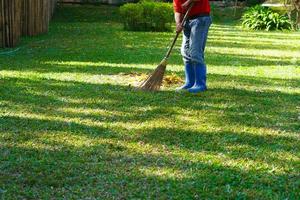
(177, 34)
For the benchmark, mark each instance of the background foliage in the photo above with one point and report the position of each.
(293, 10)
(147, 16)
(263, 18)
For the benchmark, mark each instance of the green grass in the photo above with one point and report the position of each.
(72, 128)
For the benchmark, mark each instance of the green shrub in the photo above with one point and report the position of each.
(263, 18)
(147, 16)
(132, 16)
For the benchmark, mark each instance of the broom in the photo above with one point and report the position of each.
(154, 80)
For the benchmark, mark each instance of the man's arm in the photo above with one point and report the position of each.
(178, 15)
(178, 20)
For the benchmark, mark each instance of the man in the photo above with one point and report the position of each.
(195, 33)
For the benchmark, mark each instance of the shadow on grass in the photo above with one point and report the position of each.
(232, 144)
(242, 107)
(93, 66)
(114, 170)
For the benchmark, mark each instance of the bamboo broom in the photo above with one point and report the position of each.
(154, 80)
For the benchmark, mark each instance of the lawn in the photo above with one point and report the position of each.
(72, 127)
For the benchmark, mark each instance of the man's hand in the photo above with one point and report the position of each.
(179, 27)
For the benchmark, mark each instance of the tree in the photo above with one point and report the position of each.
(293, 10)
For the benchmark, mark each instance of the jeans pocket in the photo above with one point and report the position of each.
(204, 22)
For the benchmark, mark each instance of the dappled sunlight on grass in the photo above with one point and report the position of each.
(164, 173)
(254, 52)
(101, 64)
(229, 155)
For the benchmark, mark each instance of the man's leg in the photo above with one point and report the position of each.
(198, 38)
(185, 52)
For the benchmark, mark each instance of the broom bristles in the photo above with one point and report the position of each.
(154, 80)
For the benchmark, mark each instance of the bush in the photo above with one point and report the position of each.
(263, 18)
(147, 16)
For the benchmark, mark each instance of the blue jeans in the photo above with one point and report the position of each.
(194, 40)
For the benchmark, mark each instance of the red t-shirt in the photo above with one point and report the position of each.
(200, 7)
